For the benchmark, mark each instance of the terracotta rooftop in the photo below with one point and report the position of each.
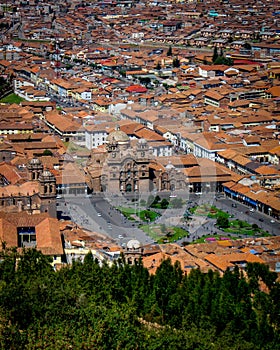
(222, 262)
(48, 237)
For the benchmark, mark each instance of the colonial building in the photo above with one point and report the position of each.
(126, 165)
(126, 168)
(133, 251)
(39, 231)
(34, 195)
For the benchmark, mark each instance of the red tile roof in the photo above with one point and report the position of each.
(136, 89)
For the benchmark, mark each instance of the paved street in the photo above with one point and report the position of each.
(242, 212)
(99, 214)
(206, 226)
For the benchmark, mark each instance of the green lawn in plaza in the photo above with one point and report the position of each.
(12, 98)
(208, 210)
(164, 234)
(240, 227)
(135, 214)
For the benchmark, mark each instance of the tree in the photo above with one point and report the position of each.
(156, 200)
(247, 46)
(169, 52)
(47, 152)
(224, 60)
(258, 37)
(215, 54)
(205, 60)
(158, 66)
(8, 265)
(145, 80)
(258, 271)
(176, 63)
(275, 299)
(33, 263)
(164, 203)
(122, 306)
(222, 221)
(167, 280)
(148, 215)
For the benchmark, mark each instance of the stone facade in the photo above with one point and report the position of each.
(36, 195)
(126, 167)
(130, 166)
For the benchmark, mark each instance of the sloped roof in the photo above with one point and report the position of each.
(136, 88)
(222, 262)
(48, 238)
(10, 173)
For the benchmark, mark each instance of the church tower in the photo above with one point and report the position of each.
(133, 251)
(35, 168)
(47, 193)
(143, 157)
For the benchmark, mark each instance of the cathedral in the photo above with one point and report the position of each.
(126, 168)
(127, 165)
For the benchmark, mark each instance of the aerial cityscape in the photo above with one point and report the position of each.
(140, 154)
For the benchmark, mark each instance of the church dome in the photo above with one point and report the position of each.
(133, 244)
(169, 166)
(117, 136)
(35, 161)
(46, 175)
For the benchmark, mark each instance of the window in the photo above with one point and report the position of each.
(26, 237)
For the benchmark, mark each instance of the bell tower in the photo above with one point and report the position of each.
(144, 156)
(142, 149)
(35, 168)
(47, 193)
(133, 251)
(113, 149)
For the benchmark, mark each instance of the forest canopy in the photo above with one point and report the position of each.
(88, 306)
